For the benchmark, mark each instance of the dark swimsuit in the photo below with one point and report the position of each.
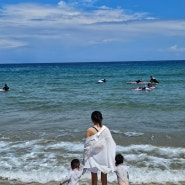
(95, 128)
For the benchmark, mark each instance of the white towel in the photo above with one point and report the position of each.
(99, 151)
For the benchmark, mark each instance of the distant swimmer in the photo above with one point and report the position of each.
(6, 88)
(153, 80)
(143, 88)
(137, 81)
(149, 85)
(102, 81)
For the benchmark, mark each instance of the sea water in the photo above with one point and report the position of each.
(44, 117)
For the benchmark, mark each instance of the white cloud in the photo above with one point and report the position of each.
(74, 25)
(80, 3)
(63, 13)
(11, 43)
(176, 48)
(65, 21)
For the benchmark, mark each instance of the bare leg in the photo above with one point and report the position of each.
(94, 178)
(103, 178)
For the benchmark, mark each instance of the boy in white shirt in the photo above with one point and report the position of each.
(74, 174)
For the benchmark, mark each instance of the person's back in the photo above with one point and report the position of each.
(122, 174)
(74, 175)
(99, 143)
(121, 170)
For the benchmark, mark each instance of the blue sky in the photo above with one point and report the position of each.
(91, 30)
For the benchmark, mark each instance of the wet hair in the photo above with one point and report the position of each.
(119, 159)
(75, 163)
(96, 117)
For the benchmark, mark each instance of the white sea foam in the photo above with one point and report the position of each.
(41, 161)
(133, 134)
(67, 145)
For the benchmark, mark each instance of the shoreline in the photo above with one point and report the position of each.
(14, 182)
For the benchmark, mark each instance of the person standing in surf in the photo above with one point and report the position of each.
(99, 150)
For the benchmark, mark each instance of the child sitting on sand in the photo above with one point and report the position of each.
(121, 170)
(74, 175)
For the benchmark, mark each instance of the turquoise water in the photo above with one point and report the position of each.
(45, 114)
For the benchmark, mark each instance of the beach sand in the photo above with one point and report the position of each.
(6, 182)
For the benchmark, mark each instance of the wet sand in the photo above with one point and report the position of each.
(7, 182)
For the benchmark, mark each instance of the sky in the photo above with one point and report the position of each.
(51, 31)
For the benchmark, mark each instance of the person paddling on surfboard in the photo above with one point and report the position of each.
(153, 80)
(5, 88)
(137, 81)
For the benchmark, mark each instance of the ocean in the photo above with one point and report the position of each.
(45, 114)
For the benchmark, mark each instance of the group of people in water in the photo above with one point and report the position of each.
(99, 156)
(148, 86)
(152, 80)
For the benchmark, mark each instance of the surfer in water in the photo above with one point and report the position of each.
(5, 88)
(137, 81)
(153, 79)
(149, 85)
(102, 81)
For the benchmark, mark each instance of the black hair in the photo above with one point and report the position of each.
(75, 163)
(96, 117)
(119, 159)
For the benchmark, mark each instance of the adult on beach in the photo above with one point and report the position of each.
(99, 150)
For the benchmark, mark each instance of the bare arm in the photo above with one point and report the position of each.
(90, 131)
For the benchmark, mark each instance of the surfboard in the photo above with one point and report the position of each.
(2, 90)
(138, 82)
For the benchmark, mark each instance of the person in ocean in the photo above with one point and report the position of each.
(137, 81)
(153, 79)
(121, 170)
(5, 88)
(149, 85)
(99, 150)
(102, 81)
(74, 174)
(142, 88)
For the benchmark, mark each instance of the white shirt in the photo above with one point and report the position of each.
(73, 177)
(122, 172)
